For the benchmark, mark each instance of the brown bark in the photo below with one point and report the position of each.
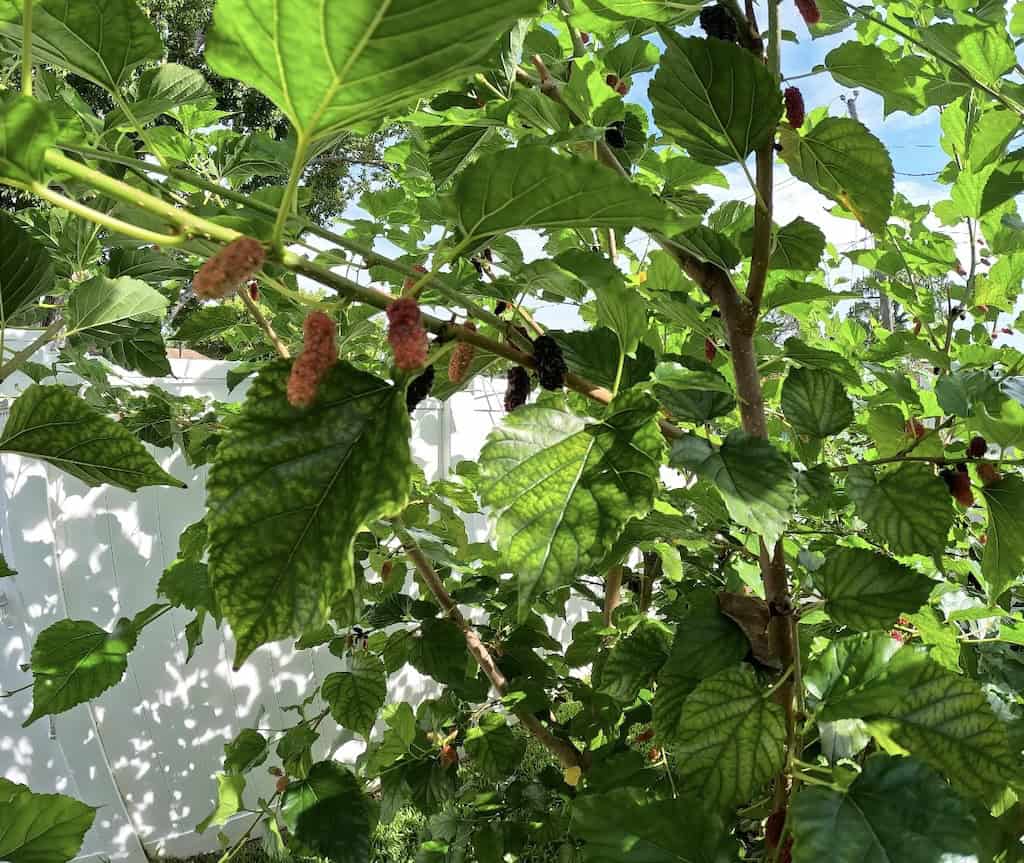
(612, 593)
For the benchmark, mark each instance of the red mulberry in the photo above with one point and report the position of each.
(222, 274)
(959, 484)
(406, 335)
(710, 350)
(551, 367)
(794, 107)
(419, 389)
(319, 353)
(717, 23)
(977, 447)
(809, 11)
(988, 473)
(915, 428)
(517, 390)
(462, 358)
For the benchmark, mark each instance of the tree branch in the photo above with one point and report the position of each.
(264, 324)
(25, 354)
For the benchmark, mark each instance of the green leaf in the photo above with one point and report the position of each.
(715, 98)
(248, 750)
(229, 801)
(731, 738)
(561, 489)
(52, 423)
(866, 590)
(330, 68)
(356, 697)
(634, 660)
(299, 485)
(848, 664)
(841, 159)
(206, 323)
(622, 826)
(103, 40)
(494, 747)
(623, 310)
(986, 52)
(186, 583)
(74, 661)
(452, 150)
(5, 569)
(40, 828)
(798, 246)
(909, 507)
(897, 811)
(943, 718)
(706, 643)
(531, 187)
(692, 391)
(1005, 428)
(815, 403)
(160, 91)
(147, 265)
(26, 271)
(99, 302)
(27, 128)
(854, 64)
(1002, 563)
(329, 813)
(755, 480)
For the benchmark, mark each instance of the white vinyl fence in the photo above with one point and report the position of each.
(146, 750)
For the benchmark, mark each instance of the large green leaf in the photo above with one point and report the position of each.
(692, 391)
(26, 271)
(159, 91)
(715, 98)
(331, 67)
(356, 697)
(102, 40)
(532, 187)
(910, 507)
(866, 590)
(100, 302)
(755, 480)
(298, 485)
(329, 813)
(798, 246)
(74, 661)
(1003, 561)
(621, 826)
(815, 402)
(854, 64)
(848, 664)
(841, 159)
(562, 489)
(731, 738)
(52, 423)
(914, 705)
(897, 811)
(27, 128)
(40, 828)
(493, 746)
(248, 750)
(706, 643)
(635, 659)
(230, 787)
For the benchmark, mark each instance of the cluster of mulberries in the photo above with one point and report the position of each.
(517, 389)
(794, 107)
(406, 335)
(959, 484)
(809, 11)
(319, 353)
(462, 358)
(419, 388)
(551, 367)
(717, 23)
(226, 271)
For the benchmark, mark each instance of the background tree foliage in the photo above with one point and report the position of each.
(790, 512)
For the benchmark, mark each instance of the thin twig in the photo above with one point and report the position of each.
(264, 324)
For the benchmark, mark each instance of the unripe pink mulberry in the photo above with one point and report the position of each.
(809, 11)
(406, 335)
(319, 353)
(794, 107)
(226, 271)
(462, 358)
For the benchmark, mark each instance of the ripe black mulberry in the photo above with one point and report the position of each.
(551, 367)
(419, 388)
(517, 390)
(717, 23)
(794, 107)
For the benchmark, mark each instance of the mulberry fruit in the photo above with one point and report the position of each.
(717, 23)
(226, 271)
(406, 335)
(254, 291)
(977, 447)
(988, 473)
(462, 358)
(319, 353)
(551, 367)
(710, 350)
(410, 281)
(809, 11)
(419, 389)
(500, 307)
(959, 484)
(915, 429)
(517, 389)
(794, 100)
(613, 135)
